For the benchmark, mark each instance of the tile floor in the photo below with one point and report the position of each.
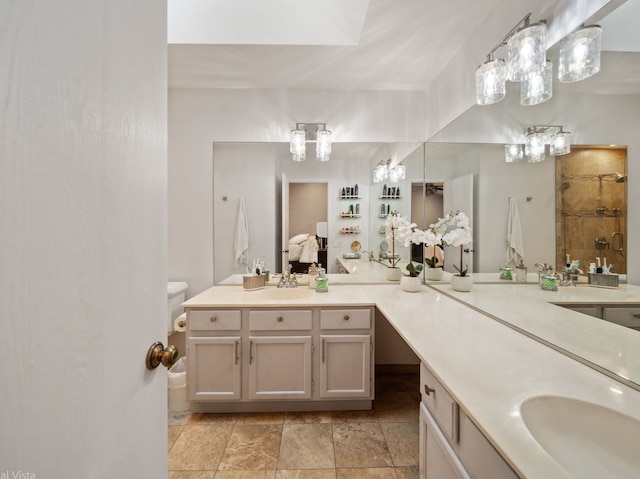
(378, 444)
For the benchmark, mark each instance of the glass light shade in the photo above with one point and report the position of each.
(513, 153)
(526, 52)
(380, 173)
(323, 145)
(491, 78)
(297, 145)
(397, 173)
(534, 147)
(580, 54)
(560, 143)
(537, 87)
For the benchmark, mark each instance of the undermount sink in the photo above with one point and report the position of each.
(283, 294)
(587, 440)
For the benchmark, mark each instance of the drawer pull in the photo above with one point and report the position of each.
(213, 319)
(637, 315)
(235, 351)
(279, 319)
(322, 350)
(428, 390)
(346, 317)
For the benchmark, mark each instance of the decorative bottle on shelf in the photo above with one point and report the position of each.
(355, 190)
(384, 190)
(398, 192)
(343, 192)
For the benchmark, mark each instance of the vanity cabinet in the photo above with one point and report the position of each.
(283, 358)
(451, 446)
(627, 317)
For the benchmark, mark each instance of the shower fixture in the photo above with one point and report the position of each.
(617, 177)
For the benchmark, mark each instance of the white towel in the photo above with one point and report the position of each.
(309, 252)
(241, 244)
(515, 248)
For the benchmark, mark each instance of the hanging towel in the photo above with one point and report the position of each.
(241, 244)
(515, 248)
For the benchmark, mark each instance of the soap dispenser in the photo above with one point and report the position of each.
(521, 273)
(322, 281)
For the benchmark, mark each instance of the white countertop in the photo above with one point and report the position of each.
(489, 368)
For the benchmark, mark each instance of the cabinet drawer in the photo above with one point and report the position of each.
(213, 319)
(345, 319)
(439, 402)
(478, 455)
(629, 317)
(280, 320)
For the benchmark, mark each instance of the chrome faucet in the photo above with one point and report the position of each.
(370, 253)
(288, 280)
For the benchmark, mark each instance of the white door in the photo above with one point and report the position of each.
(458, 196)
(83, 249)
(285, 222)
(280, 367)
(345, 366)
(214, 368)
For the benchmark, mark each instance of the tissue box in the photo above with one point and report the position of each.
(250, 283)
(603, 280)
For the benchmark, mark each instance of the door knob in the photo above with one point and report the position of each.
(159, 354)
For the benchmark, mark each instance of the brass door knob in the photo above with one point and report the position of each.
(159, 354)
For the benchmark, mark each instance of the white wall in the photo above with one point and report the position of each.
(83, 243)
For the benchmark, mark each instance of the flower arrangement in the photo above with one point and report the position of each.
(452, 230)
(394, 225)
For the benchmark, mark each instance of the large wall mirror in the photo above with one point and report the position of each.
(601, 218)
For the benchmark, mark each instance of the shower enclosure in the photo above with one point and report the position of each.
(591, 207)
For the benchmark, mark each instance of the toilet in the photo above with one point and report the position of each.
(176, 291)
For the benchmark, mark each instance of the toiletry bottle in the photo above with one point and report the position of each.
(357, 208)
(355, 190)
(521, 273)
(397, 192)
(343, 192)
(384, 190)
(322, 282)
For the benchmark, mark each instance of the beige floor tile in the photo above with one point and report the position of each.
(174, 432)
(199, 448)
(353, 416)
(360, 445)
(403, 440)
(401, 407)
(222, 418)
(262, 418)
(178, 419)
(306, 446)
(306, 474)
(191, 474)
(367, 473)
(244, 474)
(310, 417)
(252, 447)
(410, 472)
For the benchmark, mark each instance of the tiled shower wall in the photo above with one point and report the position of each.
(591, 207)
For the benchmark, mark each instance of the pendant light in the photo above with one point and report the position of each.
(526, 51)
(297, 144)
(534, 146)
(579, 56)
(560, 143)
(537, 87)
(323, 144)
(491, 78)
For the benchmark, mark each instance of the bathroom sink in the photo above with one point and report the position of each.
(283, 294)
(587, 440)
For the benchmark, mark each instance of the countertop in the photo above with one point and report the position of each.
(488, 367)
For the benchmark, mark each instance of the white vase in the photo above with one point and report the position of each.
(433, 274)
(393, 274)
(411, 284)
(461, 283)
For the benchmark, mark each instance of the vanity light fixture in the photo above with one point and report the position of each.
(310, 132)
(526, 55)
(579, 56)
(537, 137)
(383, 171)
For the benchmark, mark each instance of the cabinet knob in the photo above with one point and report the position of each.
(213, 319)
(279, 319)
(428, 390)
(346, 317)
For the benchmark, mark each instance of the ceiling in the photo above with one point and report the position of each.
(334, 44)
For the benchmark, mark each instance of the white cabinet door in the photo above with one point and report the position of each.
(438, 460)
(345, 366)
(213, 368)
(280, 367)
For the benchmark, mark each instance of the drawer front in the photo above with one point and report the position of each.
(478, 455)
(439, 402)
(214, 320)
(280, 320)
(345, 319)
(629, 317)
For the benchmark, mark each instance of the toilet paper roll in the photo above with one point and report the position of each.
(180, 323)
